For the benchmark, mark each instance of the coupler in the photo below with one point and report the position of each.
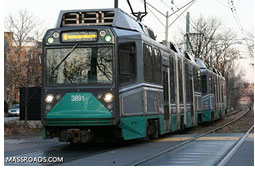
(75, 136)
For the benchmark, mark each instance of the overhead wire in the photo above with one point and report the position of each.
(174, 12)
(238, 22)
(222, 3)
(171, 9)
(187, 5)
(182, 13)
(156, 17)
(191, 22)
(155, 14)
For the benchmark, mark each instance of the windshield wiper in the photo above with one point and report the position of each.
(68, 54)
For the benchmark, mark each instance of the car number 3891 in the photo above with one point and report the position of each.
(77, 98)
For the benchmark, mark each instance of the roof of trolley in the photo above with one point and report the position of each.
(114, 17)
(123, 23)
(201, 63)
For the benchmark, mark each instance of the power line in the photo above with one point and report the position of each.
(182, 13)
(167, 15)
(192, 24)
(190, 2)
(237, 20)
(154, 13)
(222, 3)
(156, 17)
(171, 8)
(155, 9)
(178, 16)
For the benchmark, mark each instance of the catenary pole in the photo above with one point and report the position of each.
(187, 30)
(115, 3)
(166, 27)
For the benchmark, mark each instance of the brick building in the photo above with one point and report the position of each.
(18, 60)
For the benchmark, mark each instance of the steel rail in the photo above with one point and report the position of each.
(136, 163)
(233, 113)
(227, 156)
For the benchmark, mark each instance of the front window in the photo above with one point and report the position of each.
(81, 66)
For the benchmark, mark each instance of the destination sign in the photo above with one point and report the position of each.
(79, 36)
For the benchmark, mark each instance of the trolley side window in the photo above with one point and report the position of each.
(127, 62)
(148, 63)
(214, 85)
(157, 60)
(222, 95)
(188, 81)
(197, 81)
(172, 79)
(211, 83)
(180, 80)
(204, 85)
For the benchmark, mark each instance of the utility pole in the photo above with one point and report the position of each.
(166, 27)
(188, 36)
(187, 30)
(116, 3)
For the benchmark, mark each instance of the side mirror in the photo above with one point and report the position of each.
(40, 58)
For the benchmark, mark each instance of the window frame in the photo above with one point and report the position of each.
(152, 62)
(154, 66)
(153, 59)
(180, 80)
(119, 67)
(45, 69)
(172, 65)
(204, 84)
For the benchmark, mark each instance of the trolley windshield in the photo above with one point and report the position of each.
(82, 66)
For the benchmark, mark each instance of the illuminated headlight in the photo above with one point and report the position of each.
(108, 38)
(50, 40)
(108, 97)
(49, 98)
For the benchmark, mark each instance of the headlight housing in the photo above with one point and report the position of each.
(50, 40)
(108, 97)
(108, 38)
(49, 98)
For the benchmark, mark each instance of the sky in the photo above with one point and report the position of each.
(48, 10)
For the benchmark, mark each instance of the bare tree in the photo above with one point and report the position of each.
(23, 27)
(22, 68)
(202, 40)
(214, 44)
(250, 43)
(235, 87)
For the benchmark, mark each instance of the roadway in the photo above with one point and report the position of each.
(205, 151)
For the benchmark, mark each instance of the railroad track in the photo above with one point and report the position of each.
(68, 157)
(225, 158)
(136, 163)
(233, 113)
